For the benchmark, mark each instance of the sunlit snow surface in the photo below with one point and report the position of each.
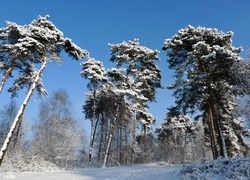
(229, 169)
(142, 172)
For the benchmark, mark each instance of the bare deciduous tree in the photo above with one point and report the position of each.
(57, 135)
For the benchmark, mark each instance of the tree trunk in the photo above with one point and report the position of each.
(144, 142)
(93, 129)
(101, 144)
(217, 123)
(110, 137)
(212, 132)
(215, 119)
(17, 134)
(134, 138)
(20, 112)
(120, 146)
(8, 72)
(117, 144)
(212, 118)
(223, 149)
(126, 147)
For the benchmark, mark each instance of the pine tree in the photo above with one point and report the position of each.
(176, 132)
(241, 74)
(202, 58)
(24, 46)
(139, 63)
(118, 88)
(94, 71)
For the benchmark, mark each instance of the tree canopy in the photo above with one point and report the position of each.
(202, 58)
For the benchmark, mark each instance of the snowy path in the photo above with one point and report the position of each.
(116, 173)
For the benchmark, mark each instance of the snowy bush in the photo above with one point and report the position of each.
(30, 162)
(238, 168)
(20, 162)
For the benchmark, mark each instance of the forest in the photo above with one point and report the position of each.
(211, 84)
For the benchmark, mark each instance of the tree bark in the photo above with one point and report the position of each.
(17, 134)
(20, 112)
(217, 123)
(120, 146)
(126, 147)
(134, 138)
(93, 129)
(111, 136)
(8, 72)
(212, 132)
(223, 149)
(101, 144)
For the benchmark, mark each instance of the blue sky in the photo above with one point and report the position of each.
(93, 24)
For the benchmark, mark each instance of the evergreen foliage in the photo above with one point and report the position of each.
(202, 58)
(23, 47)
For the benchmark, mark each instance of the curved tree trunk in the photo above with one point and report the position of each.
(20, 112)
(8, 72)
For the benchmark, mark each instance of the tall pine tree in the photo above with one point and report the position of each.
(94, 71)
(202, 58)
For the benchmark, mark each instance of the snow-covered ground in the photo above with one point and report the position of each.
(141, 172)
(220, 169)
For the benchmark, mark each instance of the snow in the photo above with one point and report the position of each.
(146, 172)
(238, 168)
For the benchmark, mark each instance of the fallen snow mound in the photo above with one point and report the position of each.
(238, 168)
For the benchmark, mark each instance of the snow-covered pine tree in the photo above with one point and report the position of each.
(118, 87)
(23, 46)
(94, 71)
(241, 74)
(241, 119)
(176, 132)
(202, 58)
(105, 107)
(139, 63)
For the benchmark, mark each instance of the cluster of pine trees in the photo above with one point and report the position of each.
(211, 84)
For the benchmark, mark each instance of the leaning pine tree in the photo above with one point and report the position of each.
(94, 71)
(23, 47)
(202, 58)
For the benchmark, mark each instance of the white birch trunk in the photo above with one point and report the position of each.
(20, 112)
